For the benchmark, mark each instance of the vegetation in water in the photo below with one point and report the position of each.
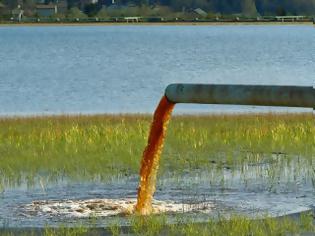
(41, 150)
(280, 147)
(234, 225)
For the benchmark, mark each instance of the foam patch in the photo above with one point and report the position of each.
(107, 207)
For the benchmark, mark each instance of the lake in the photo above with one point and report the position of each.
(125, 69)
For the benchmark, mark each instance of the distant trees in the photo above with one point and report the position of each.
(73, 3)
(246, 7)
(102, 13)
(286, 7)
(11, 4)
(301, 7)
(92, 9)
(2, 9)
(249, 8)
(227, 6)
(29, 7)
(75, 13)
(182, 5)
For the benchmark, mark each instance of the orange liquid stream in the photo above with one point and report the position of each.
(151, 157)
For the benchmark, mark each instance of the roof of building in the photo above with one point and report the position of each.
(200, 12)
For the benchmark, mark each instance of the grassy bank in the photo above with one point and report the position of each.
(158, 225)
(104, 147)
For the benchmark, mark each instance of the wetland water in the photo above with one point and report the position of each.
(248, 193)
(52, 70)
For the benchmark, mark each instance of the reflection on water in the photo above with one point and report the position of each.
(250, 191)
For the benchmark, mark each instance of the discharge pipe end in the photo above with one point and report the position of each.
(257, 95)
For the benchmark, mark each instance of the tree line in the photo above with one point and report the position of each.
(215, 7)
(246, 7)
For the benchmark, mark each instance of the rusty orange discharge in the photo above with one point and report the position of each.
(151, 156)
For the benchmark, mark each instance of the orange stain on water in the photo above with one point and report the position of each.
(151, 157)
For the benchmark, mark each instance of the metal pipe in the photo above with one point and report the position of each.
(258, 95)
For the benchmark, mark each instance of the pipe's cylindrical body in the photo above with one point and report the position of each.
(258, 95)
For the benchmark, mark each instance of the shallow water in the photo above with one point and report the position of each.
(118, 69)
(200, 193)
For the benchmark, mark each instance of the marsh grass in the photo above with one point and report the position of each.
(158, 225)
(43, 150)
(66, 231)
(234, 225)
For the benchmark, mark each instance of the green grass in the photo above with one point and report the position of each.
(235, 225)
(158, 225)
(104, 147)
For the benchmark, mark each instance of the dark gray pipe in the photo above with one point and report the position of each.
(258, 95)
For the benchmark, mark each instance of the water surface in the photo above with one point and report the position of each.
(248, 191)
(124, 69)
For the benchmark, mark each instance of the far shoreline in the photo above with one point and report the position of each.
(188, 23)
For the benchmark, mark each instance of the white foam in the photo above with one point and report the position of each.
(107, 207)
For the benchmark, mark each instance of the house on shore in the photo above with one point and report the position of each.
(46, 10)
(17, 13)
(199, 12)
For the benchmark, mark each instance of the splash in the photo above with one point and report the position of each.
(151, 157)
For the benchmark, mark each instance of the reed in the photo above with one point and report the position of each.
(158, 225)
(105, 147)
